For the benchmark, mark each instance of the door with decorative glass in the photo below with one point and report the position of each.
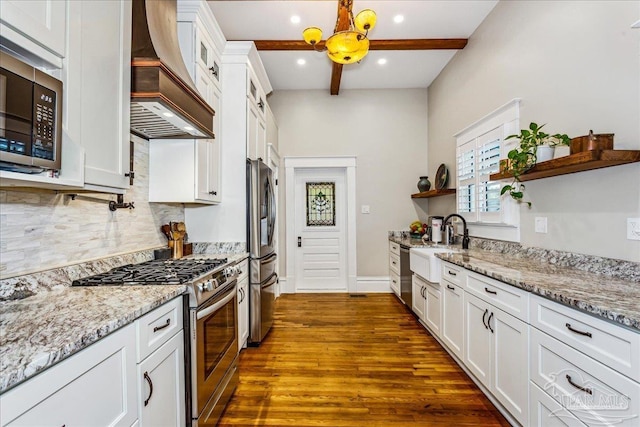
(320, 224)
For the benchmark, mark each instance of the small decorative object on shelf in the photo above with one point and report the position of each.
(599, 141)
(442, 177)
(424, 184)
(525, 156)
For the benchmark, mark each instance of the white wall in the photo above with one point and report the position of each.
(576, 66)
(41, 230)
(386, 130)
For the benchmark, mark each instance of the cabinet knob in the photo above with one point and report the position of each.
(213, 193)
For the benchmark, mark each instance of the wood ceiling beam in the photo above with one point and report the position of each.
(397, 44)
(343, 23)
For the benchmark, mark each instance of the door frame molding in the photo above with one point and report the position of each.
(348, 164)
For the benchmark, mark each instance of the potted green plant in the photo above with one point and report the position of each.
(525, 156)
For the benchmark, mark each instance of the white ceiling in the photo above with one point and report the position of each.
(271, 20)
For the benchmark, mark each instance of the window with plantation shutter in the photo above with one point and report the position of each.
(479, 150)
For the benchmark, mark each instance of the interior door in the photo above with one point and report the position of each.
(320, 224)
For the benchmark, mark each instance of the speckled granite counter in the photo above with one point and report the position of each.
(55, 322)
(41, 330)
(603, 287)
(598, 294)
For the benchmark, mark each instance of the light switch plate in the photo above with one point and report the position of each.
(365, 209)
(541, 224)
(633, 228)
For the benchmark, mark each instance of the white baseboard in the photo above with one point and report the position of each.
(364, 284)
(373, 284)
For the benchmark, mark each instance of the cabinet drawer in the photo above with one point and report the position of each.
(394, 282)
(593, 392)
(244, 269)
(394, 248)
(507, 298)
(156, 327)
(614, 346)
(546, 412)
(453, 273)
(394, 263)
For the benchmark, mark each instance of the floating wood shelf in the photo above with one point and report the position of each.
(433, 193)
(583, 161)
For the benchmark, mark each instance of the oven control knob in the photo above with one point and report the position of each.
(206, 286)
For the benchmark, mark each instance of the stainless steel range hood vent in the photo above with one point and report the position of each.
(164, 100)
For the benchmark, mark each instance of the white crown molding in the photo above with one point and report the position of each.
(190, 10)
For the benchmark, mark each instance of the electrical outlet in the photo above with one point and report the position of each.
(541, 224)
(365, 209)
(633, 228)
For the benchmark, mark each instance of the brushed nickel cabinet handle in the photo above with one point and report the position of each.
(579, 387)
(575, 331)
(157, 328)
(148, 378)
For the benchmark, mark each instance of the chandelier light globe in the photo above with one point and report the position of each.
(365, 20)
(312, 35)
(347, 47)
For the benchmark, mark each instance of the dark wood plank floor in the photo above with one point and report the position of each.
(335, 360)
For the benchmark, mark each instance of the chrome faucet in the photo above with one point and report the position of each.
(465, 237)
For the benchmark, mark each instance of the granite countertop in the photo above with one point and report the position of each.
(38, 331)
(609, 297)
(615, 299)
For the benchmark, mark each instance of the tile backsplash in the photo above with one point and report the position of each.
(41, 230)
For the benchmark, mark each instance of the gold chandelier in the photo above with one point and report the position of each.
(348, 46)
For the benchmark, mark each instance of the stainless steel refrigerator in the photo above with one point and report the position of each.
(261, 222)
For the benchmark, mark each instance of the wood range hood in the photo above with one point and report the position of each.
(164, 99)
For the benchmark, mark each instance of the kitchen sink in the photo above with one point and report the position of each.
(424, 263)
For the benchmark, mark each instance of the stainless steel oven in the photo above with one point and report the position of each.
(214, 353)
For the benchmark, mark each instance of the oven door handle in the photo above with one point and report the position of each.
(217, 306)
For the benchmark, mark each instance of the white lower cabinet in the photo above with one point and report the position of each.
(546, 412)
(453, 317)
(418, 296)
(105, 383)
(433, 311)
(161, 385)
(496, 352)
(243, 306)
(95, 387)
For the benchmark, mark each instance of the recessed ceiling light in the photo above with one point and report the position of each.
(382, 61)
(398, 19)
(295, 19)
(301, 61)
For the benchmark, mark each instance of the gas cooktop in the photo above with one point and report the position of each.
(157, 272)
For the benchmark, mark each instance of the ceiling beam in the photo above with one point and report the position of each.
(343, 23)
(397, 44)
(336, 76)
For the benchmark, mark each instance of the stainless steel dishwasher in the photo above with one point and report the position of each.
(406, 287)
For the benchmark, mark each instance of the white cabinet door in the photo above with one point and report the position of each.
(252, 131)
(261, 141)
(99, 75)
(417, 305)
(243, 312)
(453, 317)
(546, 412)
(94, 387)
(38, 26)
(510, 338)
(161, 385)
(432, 311)
(477, 343)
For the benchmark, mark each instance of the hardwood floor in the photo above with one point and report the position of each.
(335, 360)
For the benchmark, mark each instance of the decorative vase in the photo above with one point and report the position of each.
(544, 153)
(424, 184)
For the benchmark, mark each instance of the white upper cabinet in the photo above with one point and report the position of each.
(38, 26)
(98, 86)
